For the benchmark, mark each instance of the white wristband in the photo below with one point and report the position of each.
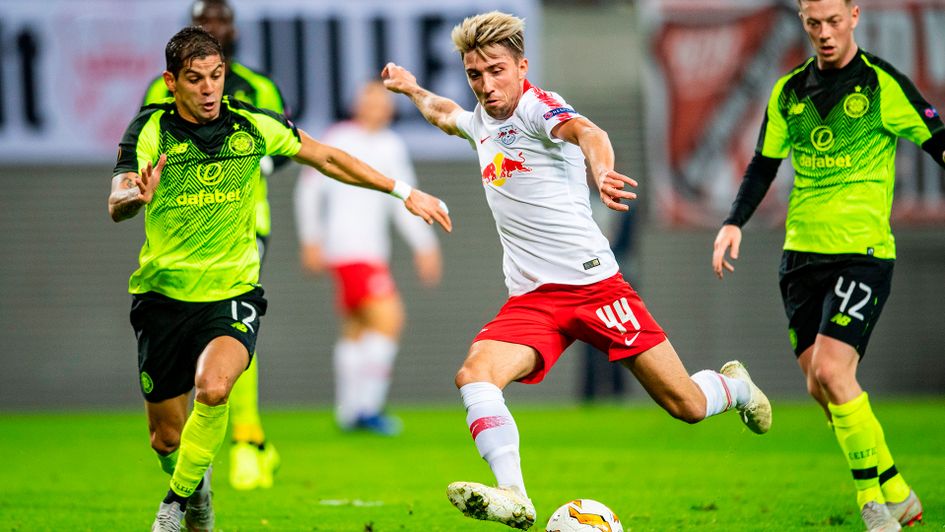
(401, 190)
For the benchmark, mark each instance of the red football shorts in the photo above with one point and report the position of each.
(359, 281)
(608, 314)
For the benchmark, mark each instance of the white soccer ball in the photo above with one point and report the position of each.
(583, 515)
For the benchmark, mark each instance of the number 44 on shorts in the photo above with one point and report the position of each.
(618, 313)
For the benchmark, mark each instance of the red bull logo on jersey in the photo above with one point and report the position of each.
(502, 168)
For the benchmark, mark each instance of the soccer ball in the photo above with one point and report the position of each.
(583, 515)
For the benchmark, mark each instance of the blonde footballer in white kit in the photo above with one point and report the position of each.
(562, 278)
(347, 230)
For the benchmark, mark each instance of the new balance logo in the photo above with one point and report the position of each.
(840, 319)
(178, 149)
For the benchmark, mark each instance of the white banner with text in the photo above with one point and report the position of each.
(73, 72)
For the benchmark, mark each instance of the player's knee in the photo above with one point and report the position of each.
(463, 377)
(471, 373)
(212, 392)
(164, 442)
(825, 376)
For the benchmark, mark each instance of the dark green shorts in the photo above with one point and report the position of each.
(172, 334)
(840, 296)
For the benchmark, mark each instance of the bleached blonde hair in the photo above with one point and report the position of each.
(488, 29)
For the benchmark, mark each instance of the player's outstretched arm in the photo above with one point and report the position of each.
(729, 237)
(341, 166)
(131, 191)
(595, 144)
(439, 111)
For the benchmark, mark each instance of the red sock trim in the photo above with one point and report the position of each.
(728, 394)
(484, 423)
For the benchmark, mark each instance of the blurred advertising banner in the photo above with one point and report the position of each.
(711, 68)
(73, 72)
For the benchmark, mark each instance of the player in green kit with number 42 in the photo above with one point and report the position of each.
(193, 164)
(839, 115)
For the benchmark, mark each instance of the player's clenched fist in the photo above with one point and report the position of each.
(397, 78)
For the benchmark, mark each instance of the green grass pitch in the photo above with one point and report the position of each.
(95, 471)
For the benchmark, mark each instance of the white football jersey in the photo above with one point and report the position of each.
(352, 224)
(536, 187)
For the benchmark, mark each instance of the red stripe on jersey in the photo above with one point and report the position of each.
(549, 100)
(485, 423)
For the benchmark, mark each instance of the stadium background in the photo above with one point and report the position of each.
(66, 340)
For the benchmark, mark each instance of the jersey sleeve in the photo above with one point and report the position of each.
(905, 112)
(465, 121)
(139, 144)
(774, 140)
(282, 137)
(545, 111)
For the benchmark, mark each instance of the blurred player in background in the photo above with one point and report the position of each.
(562, 277)
(839, 116)
(193, 164)
(346, 230)
(253, 460)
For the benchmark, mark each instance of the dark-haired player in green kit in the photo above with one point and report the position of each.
(839, 116)
(193, 164)
(253, 460)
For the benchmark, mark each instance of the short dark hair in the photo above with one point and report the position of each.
(192, 42)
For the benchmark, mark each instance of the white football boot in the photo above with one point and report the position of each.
(199, 515)
(878, 519)
(504, 505)
(907, 512)
(168, 518)
(756, 414)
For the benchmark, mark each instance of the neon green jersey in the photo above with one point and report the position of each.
(841, 128)
(200, 225)
(246, 85)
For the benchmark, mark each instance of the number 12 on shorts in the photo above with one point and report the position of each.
(618, 313)
(248, 320)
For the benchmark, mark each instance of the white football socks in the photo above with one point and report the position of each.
(347, 362)
(721, 392)
(362, 376)
(377, 355)
(495, 433)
